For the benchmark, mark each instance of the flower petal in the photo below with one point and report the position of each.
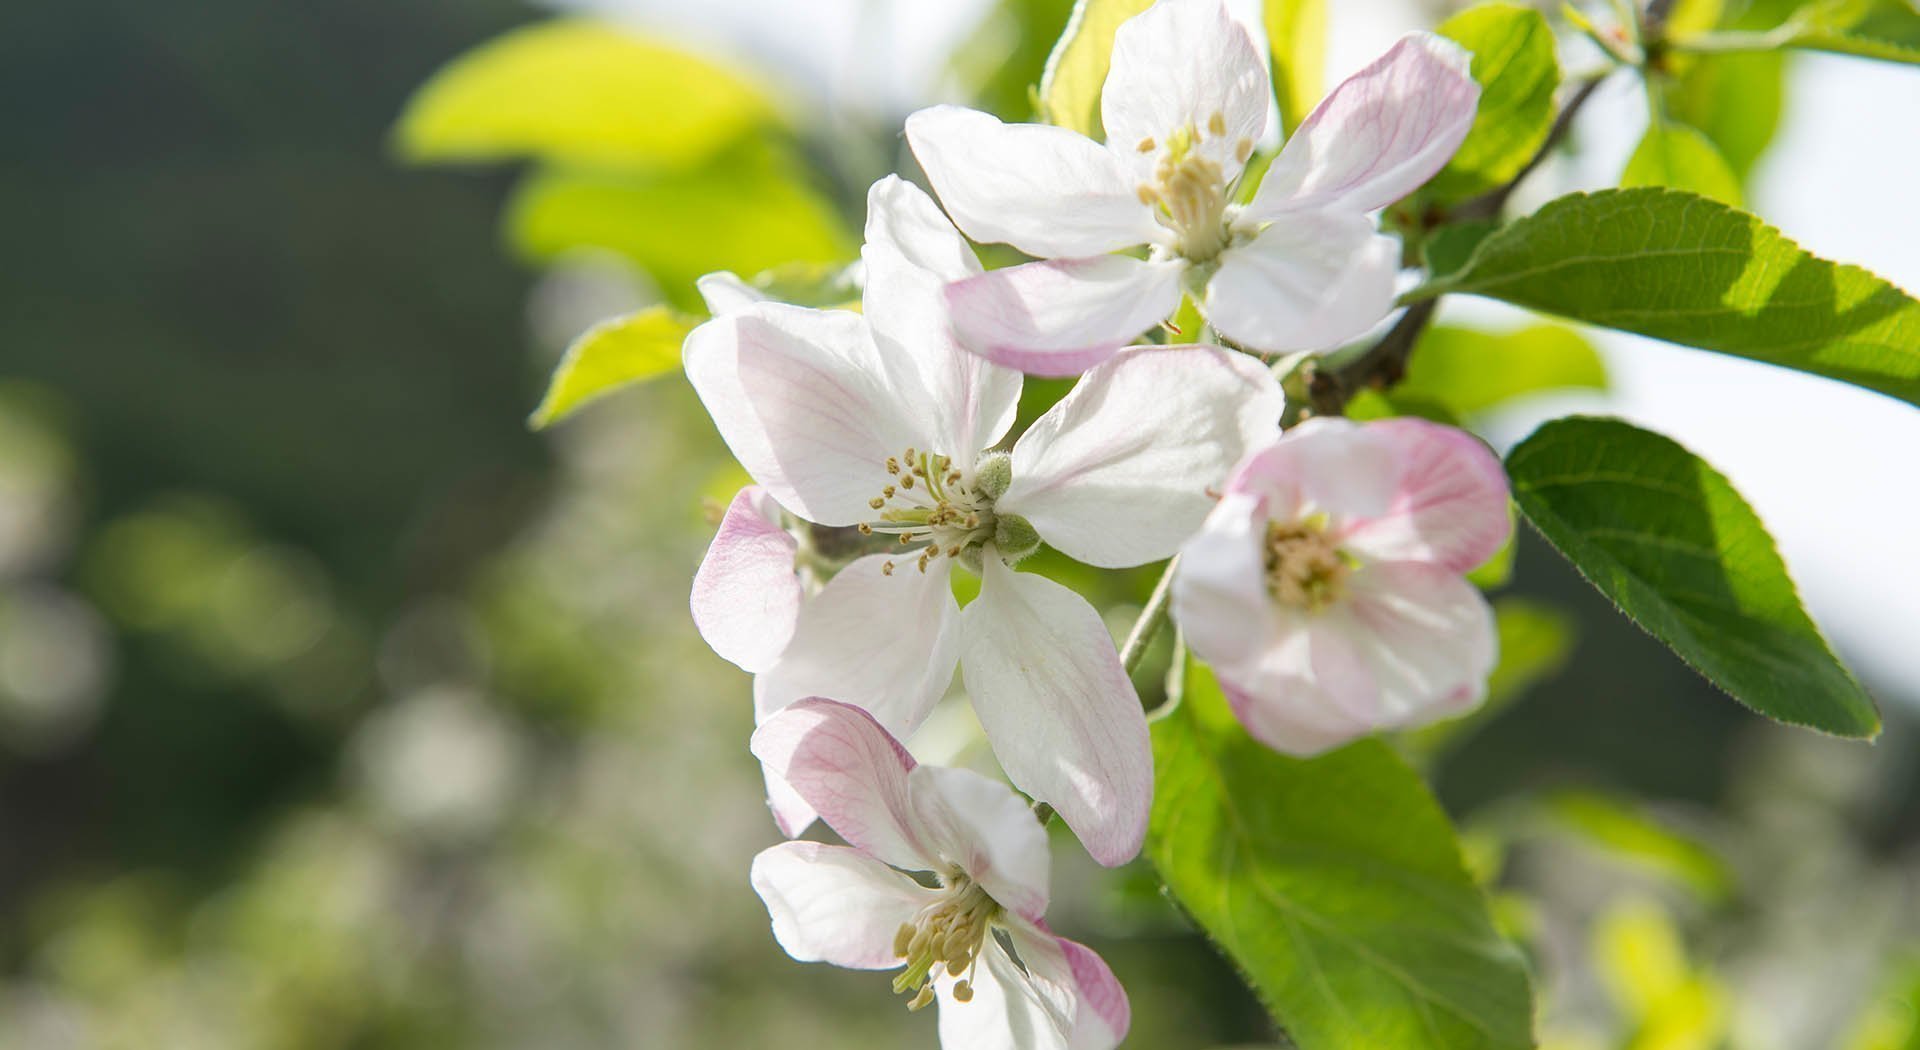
(1059, 710)
(986, 829)
(1012, 1009)
(1119, 472)
(792, 814)
(1047, 191)
(1428, 638)
(1379, 136)
(726, 293)
(852, 772)
(800, 398)
(1104, 1015)
(1220, 594)
(885, 643)
(1062, 317)
(746, 596)
(1449, 506)
(1174, 66)
(1306, 690)
(833, 904)
(1308, 282)
(1324, 465)
(911, 254)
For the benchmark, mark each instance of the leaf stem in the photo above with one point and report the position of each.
(1152, 617)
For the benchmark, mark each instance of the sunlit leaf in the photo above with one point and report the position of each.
(1626, 830)
(611, 355)
(1735, 100)
(579, 91)
(1515, 64)
(1882, 29)
(1676, 266)
(1297, 42)
(1336, 886)
(1471, 371)
(1077, 69)
(1667, 538)
(1675, 155)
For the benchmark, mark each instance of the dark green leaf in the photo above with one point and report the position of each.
(1515, 65)
(1669, 540)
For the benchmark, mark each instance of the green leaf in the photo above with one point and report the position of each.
(1627, 830)
(1297, 42)
(1736, 100)
(611, 355)
(1451, 247)
(1535, 642)
(1669, 540)
(1335, 884)
(1471, 371)
(1675, 155)
(1679, 267)
(1882, 29)
(1515, 65)
(579, 91)
(1077, 69)
(745, 215)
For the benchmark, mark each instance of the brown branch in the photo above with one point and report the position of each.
(1489, 205)
(1382, 365)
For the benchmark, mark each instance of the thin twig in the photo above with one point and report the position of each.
(1489, 205)
(1381, 366)
(1152, 616)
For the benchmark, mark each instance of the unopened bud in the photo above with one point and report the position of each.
(1014, 537)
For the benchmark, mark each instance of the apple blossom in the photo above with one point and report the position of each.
(1301, 266)
(1326, 589)
(856, 905)
(878, 421)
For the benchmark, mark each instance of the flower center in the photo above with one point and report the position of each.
(946, 935)
(946, 510)
(1189, 189)
(1305, 569)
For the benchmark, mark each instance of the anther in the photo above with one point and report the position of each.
(926, 996)
(886, 569)
(877, 502)
(1243, 149)
(865, 529)
(888, 491)
(906, 481)
(1146, 194)
(1146, 145)
(902, 937)
(962, 992)
(893, 465)
(1217, 123)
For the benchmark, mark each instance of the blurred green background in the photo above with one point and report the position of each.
(339, 709)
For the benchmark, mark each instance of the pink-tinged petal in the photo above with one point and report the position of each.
(1123, 469)
(1011, 1008)
(852, 772)
(1427, 637)
(726, 293)
(1062, 317)
(1449, 507)
(1047, 191)
(1379, 136)
(912, 253)
(746, 596)
(835, 905)
(1220, 594)
(986, 829)
(800, 398)
(1324, 465)
(1174, 66)
(1060, 712)
(1104, 1015)
(1308, 282)
(792, 814)
(885, 643)
(1307, 690)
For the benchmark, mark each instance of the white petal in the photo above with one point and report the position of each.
(1220, 594)
(1062, 317)
(746, 596)
(853, 774)
(1324, 465)
(911, 254)
(989, 831)
(833, 904)
(1449, 506)
(1047, 191)
(1104, 1014)
(1379, 136)
(726, 293)
(1308, 282)
(1174, 66)
(792, 814)
(1012, 1009)
(1428, 638)
(1123, 469)
(800, 398)
(1306, 690)
(884, 643)
(1062, 716)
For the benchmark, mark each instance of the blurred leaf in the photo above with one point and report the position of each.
(1735, 100)
(1675, 155)
(1297, 43)
(746, 214)
(1335, 884)
(1517, 69)
(1676, 266)
(1627, 830)
(1471, 371)
(1883, 29)
(1641, 961)
(1687, 17)
(819, 285)
(611, 355)
(1892, 1020)
(1535, 642)
(1497, 569)
(1669, 540)
(583, 92)
(1004, 57)
(1077, 69)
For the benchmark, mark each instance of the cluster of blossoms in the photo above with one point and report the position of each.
(1320, 570)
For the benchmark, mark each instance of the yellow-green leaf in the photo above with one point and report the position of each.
(611, 355)
(1676, 155)
(580, 91)
(1077, 69)
(1297, 42)
(1517, 70)
(1471, 371)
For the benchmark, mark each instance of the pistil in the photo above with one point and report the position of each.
(1305, 568)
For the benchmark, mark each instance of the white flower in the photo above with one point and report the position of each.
(879, 421)
(1300, 267)
(1326, 589)
(856, 906)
